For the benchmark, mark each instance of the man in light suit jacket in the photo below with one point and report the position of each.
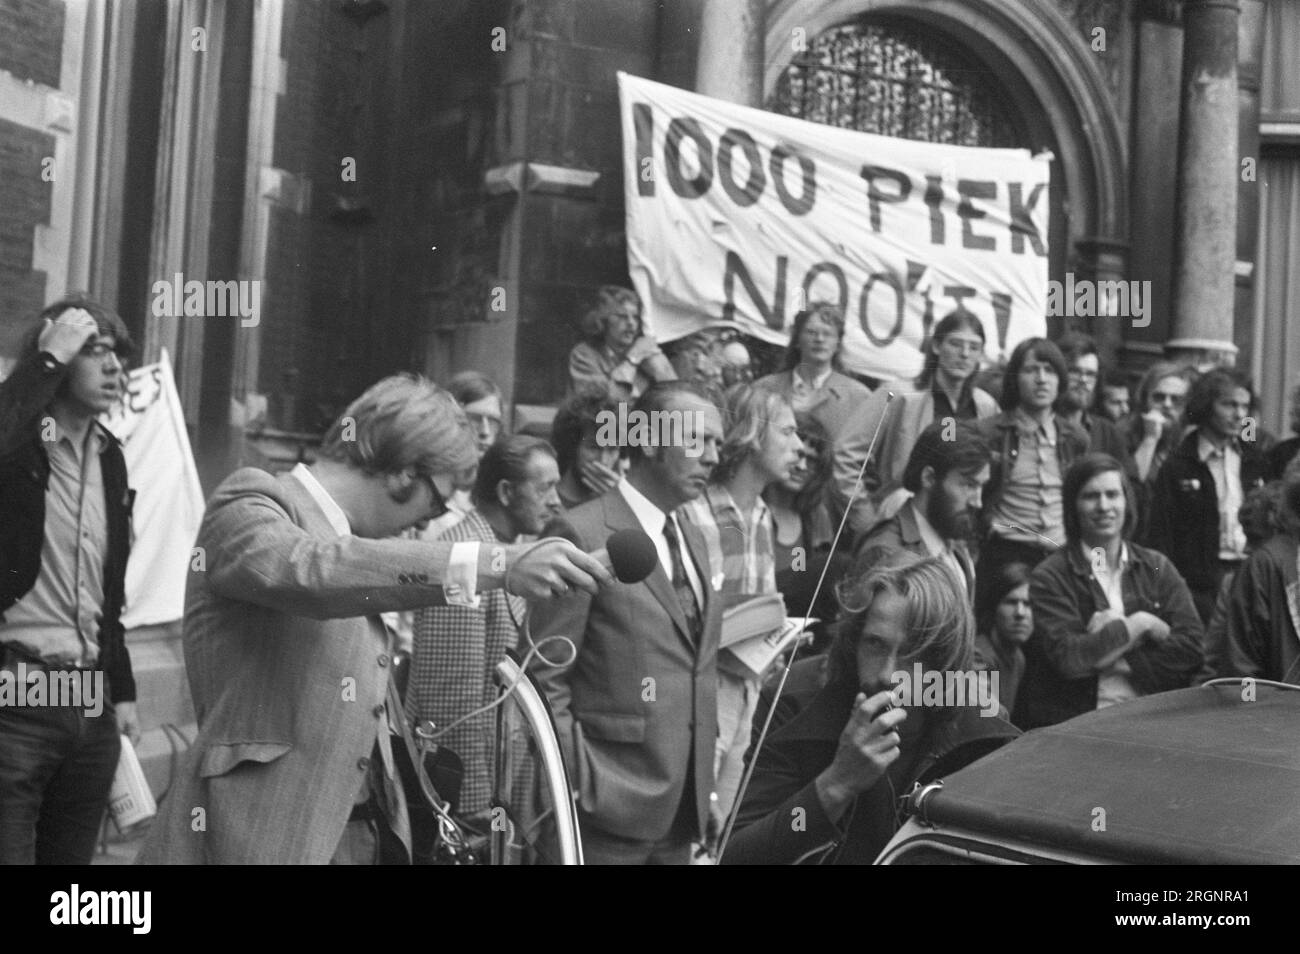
(288, 661)
(636, 709)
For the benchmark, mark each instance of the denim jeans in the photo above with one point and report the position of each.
(56, 767)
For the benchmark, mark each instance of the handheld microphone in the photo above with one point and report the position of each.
(630, 554)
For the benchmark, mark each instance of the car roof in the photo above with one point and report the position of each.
(1194, 776)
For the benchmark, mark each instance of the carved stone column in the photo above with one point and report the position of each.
(1205, 249)
(730, 61)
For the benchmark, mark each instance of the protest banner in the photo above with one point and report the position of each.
(169, 499)
(740, 216)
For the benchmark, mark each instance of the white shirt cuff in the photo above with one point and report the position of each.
(462, 575)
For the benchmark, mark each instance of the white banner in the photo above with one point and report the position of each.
(740, 216)
(168, 496)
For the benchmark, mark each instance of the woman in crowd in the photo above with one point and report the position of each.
(1112, 620)
(1004, 620)
(806, 509)
(837, 768)
(617, 355)
(944, 388)
(813, 382)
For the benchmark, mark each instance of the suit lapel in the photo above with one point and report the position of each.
(700, 557)
(619, 516)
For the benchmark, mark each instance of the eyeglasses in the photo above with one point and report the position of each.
(437, 503)
(1083, 375)
(1161, 397)
(479, 420)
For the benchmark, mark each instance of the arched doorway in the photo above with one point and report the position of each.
(971, 72)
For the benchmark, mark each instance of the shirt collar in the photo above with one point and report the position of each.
(1205, 448)
(1123, 555)
(333, 512)
(1027, 424)
(647, 514)
(720, 500)
(96, 436)
(817, 383)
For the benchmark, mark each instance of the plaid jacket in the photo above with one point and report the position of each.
(456, 653)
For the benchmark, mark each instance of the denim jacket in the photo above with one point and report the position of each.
(1003, 435)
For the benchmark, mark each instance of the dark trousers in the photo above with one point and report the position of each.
(56, 767)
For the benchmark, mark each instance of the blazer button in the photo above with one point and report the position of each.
(363, 763)
(403, 578)
(382, 660)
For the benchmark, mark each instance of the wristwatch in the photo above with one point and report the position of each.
(49, 363)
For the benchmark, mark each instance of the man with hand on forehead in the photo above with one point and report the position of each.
(65, 532)
(288, 660)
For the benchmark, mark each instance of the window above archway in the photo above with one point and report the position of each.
(891, 79)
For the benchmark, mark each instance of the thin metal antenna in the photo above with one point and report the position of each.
(785, 674)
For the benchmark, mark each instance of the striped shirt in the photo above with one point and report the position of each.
(740, 550)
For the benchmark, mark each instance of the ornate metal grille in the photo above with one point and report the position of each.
(895, 81)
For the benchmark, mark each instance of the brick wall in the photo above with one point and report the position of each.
(572, 245)
(26, 204)
(316, 350)
(31, 40)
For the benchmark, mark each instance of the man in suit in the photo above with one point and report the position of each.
(946, 473)
(288, 660)
(635, 708)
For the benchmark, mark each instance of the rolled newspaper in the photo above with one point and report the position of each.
(129, 800)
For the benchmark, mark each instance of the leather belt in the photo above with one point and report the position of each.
(10, 657)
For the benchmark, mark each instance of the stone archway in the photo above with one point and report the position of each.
(1054, 81)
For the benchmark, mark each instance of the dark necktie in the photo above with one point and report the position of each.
(681, 582)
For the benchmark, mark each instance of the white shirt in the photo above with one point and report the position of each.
(1113, 682)
(1225, 468)
(652, 521)
(461, 580)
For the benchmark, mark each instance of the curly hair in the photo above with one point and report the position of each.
(596, 319)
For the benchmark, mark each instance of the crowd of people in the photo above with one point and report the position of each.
(1087, 541)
